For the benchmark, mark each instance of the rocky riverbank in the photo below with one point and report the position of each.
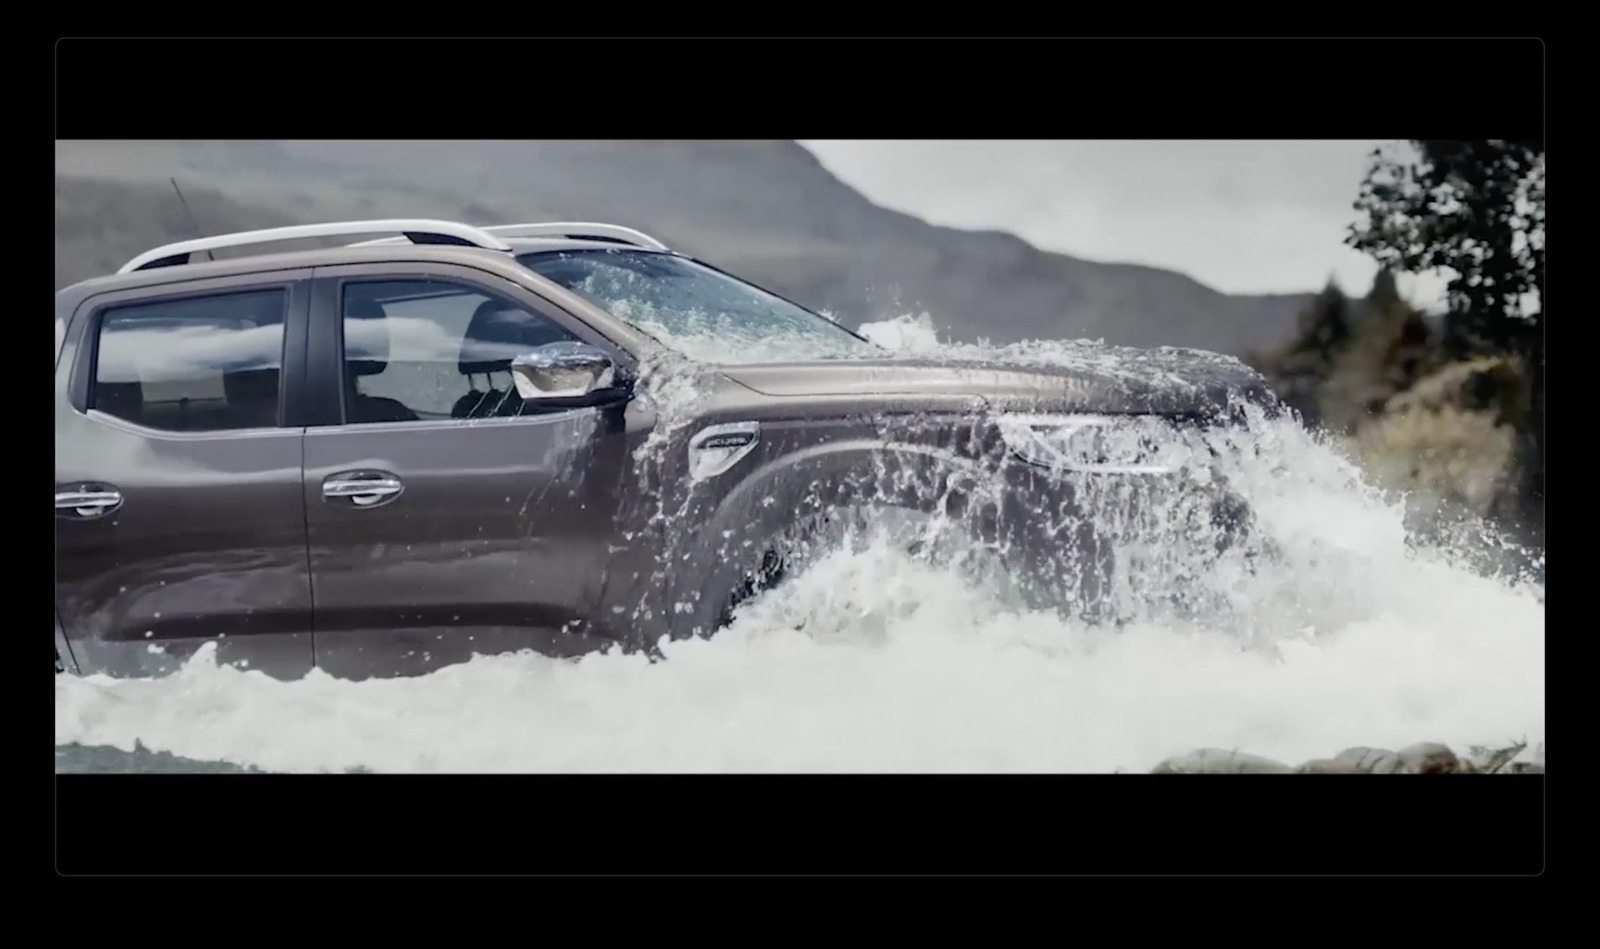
(1421, 758)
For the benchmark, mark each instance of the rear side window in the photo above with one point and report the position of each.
(200, 364)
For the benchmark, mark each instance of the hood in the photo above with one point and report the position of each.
(1100, 379)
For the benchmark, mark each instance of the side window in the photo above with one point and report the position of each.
(201, 364)
(426, 349)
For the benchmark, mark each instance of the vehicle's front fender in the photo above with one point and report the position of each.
(793, 492)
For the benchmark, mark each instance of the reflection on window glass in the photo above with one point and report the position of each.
(428, 349)
(200, 364)
(699, 311)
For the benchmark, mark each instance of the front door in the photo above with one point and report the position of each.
(446, 518)
(179, 515)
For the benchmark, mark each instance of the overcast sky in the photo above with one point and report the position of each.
(1243, 217)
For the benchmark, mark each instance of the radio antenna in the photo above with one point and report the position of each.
(190, 214)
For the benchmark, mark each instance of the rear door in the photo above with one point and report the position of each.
(179, 513)
(446, 519)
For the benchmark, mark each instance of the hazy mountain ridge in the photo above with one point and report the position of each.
(765, 210)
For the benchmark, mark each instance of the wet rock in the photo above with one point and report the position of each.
(1220, 761)
(1496, 760)
(1372, 760)
(1429, 757)
(1328, 766)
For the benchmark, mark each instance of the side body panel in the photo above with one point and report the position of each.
(182, 537)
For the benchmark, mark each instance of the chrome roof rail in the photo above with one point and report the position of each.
(579, 230)
(415, 230)
(572, 230)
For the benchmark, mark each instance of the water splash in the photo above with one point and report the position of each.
(1352, 632)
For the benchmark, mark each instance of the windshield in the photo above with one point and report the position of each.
(697, 310)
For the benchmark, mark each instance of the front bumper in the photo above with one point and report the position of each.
(1115, 545)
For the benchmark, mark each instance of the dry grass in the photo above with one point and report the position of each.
(1443, 443)
(1445, 461)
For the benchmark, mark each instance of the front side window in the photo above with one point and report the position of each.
(418, 350)
(697, 310)
(201, 364)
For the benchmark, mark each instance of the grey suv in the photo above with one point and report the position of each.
(382, 457)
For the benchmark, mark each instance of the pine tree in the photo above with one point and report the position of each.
(1299, 369)
(1389, 347)
(1385, 292)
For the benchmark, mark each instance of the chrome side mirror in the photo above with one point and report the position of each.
(565, 370)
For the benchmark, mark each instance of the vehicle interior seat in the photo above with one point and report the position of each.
(252, 396)
(123, 400)
(367, 354)
(497, 334)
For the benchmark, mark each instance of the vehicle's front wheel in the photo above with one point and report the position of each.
(942, 543)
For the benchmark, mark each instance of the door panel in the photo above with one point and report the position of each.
(444, 519)
(493, 543)
(179, 511)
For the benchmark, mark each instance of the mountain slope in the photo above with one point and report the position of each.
(766, 210)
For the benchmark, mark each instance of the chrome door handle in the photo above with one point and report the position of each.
(362, 490)
(85, 501)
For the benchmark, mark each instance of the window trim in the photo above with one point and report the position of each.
(325, 361)
(84, 332)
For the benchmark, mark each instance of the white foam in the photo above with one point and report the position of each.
(1354, 638)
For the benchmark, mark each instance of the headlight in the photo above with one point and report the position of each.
(1103, 444)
